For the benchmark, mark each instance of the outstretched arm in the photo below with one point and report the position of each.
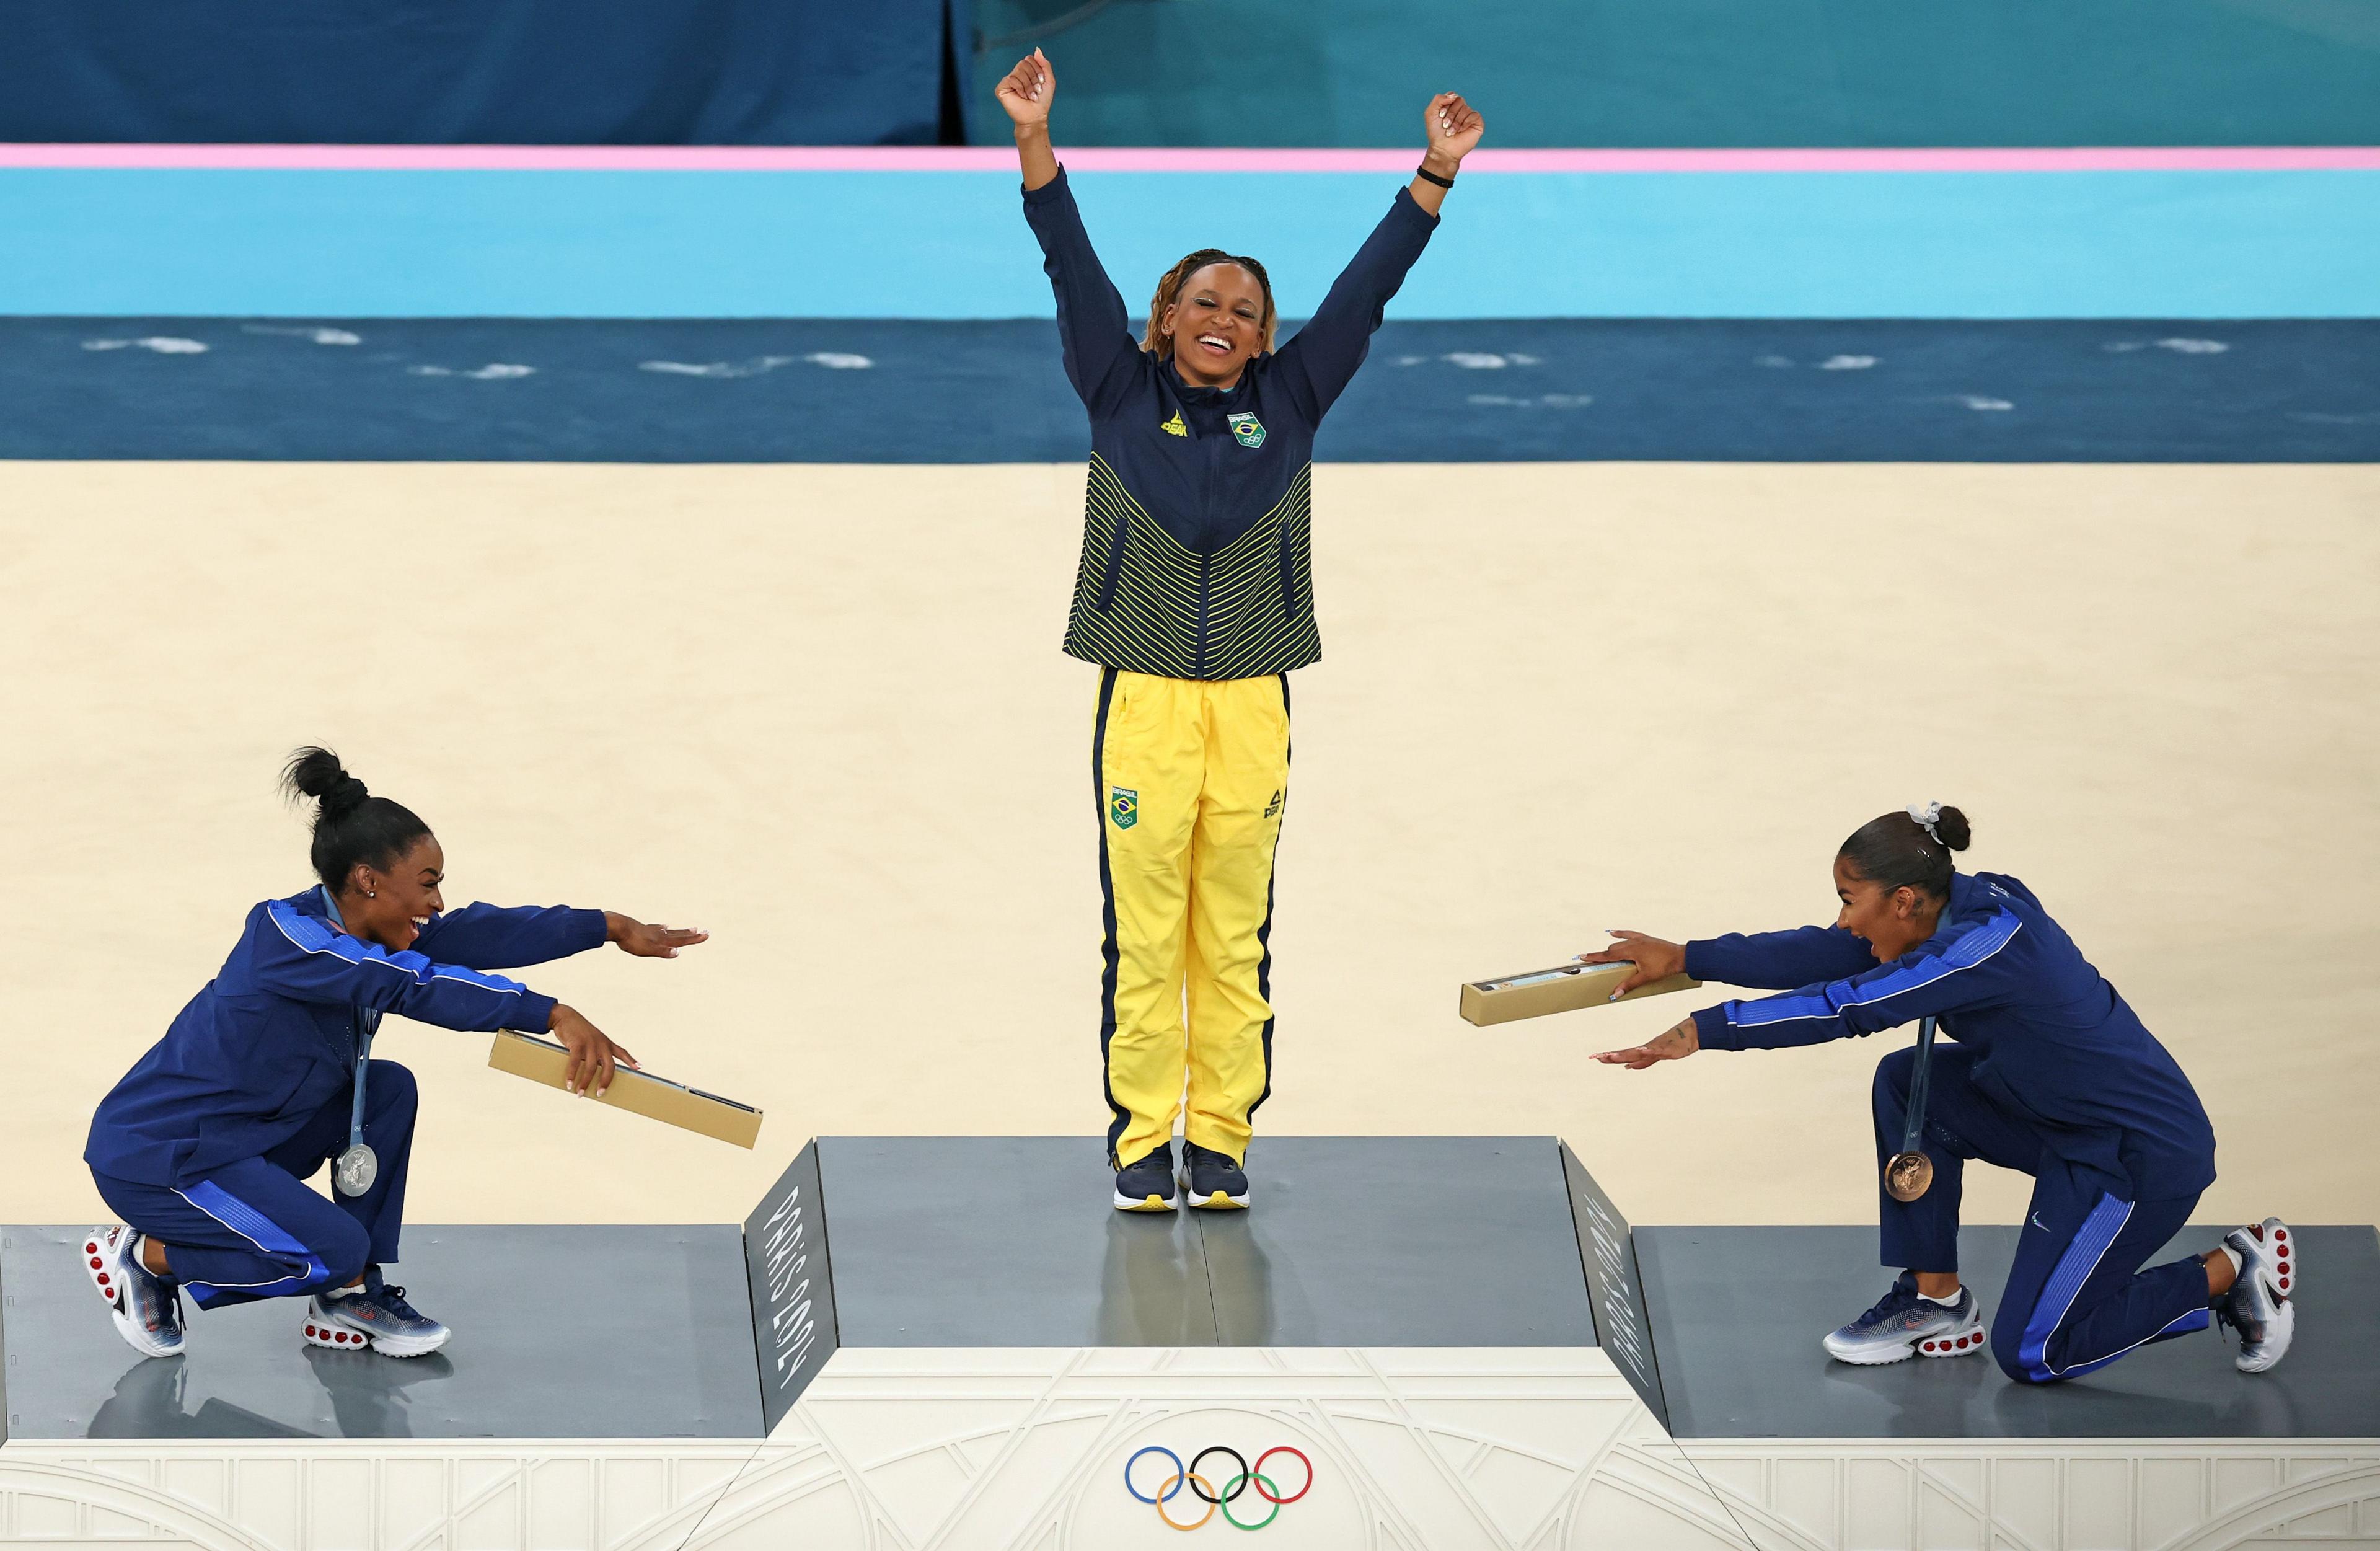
(1971, 967)
(1763, 960)
(485, 937)
(1318, 364)
(306, 959)
(1094, 331)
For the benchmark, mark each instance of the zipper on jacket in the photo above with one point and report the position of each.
(1207, 557)
(1198, 661)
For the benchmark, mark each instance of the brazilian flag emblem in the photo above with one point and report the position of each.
(1248, 429)
(1123, 806)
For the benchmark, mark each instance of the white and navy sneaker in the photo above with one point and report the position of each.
(2258, 1305)
(1904, 1323)
(1212, 1181)
(147, 1308)
(374, 1315)
(1146, 1184)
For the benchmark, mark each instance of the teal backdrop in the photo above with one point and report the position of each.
(1701, 72)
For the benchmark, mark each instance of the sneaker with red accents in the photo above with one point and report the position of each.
(147, 1308)
(1905, 1323)
(373, 1316)
(2260, 1303)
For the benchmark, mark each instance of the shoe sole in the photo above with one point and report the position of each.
(2281, 1277)
(1959, 1343)
(1216, 1201)
(2278, 1333)
(1145, 1204)
(99, 1262)
(330, 1333)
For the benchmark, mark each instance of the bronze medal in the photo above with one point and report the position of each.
(1909, 1172)
(1907, 1175)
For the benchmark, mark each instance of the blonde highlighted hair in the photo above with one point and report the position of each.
(1169, 291)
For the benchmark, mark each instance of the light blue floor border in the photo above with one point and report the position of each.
(2197, 244)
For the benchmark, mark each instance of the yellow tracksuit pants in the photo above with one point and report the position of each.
(1192, 777)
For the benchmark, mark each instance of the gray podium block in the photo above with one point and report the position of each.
(1010, 1241)
(712, 1332)
(559, 1332)
(900, 1242)
(791, 1281)
(1607, 1250)
(1738, 1311)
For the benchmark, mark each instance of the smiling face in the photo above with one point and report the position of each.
(1890, 921)
(390, 905)
(1215, 324)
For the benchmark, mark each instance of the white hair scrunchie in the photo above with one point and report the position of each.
(1927, 815)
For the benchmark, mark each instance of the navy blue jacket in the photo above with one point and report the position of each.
(2059, 1048)
(1196, 531)
(272, 1038)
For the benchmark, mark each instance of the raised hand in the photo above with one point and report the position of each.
(1654, 959)
(1675, 1045)
(1451, 127)
(646, 941)
(1026, 91)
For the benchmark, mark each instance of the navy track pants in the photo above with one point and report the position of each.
(256, 1230)
(2076, 1297)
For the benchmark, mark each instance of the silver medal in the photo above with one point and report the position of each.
(356, 1170)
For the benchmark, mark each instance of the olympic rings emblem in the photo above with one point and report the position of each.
(1204, 1490)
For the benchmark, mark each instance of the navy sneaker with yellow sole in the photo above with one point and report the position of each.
(1213, 1181)
(1146, 1184)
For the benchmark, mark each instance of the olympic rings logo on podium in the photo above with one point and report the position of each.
(1204, 1490)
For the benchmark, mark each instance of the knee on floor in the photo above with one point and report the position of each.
(2008, 1350)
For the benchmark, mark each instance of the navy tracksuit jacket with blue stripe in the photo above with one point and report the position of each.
(2047, 1072)
(207, 1142)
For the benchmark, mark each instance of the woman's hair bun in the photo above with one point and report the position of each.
(1952, 827)
(316, 773)
(351, 825)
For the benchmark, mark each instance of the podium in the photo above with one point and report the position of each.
(1430, 1342)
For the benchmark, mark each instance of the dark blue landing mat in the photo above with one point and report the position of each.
(802, 391)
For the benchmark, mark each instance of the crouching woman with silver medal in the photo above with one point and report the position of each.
(204, 1149)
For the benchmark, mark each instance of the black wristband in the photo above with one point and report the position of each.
(1428, 177)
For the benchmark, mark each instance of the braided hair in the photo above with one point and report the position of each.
(1169, 291)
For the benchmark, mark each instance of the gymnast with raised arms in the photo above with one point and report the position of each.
(1194, 596)
(2048, 1072)
(204, 1148)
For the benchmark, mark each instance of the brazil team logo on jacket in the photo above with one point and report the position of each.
(1123, 806)
(1248, 428)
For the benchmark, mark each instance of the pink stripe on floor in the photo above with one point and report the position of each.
(1088, 159)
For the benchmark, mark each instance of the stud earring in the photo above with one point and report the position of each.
(371, 894)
